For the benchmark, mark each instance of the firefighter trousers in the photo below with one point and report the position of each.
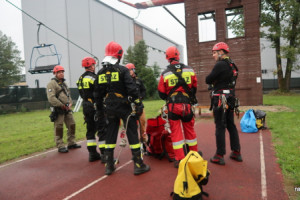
(93, 127)
(113, 117)
(182, 122)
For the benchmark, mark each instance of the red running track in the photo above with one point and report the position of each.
(52, 175)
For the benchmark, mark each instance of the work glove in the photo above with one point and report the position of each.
(65, 107)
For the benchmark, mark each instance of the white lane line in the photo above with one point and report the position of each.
(262, 169)
(94, 182)
(40, 154)
(27, 158)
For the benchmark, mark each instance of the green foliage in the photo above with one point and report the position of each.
(138, 55)
(156, 70)
(281, 20)
(10, 61)
(285, 134)
(236, 24)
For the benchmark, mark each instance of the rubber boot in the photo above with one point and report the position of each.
(102, 150)
(110, 165)
(139, 166)
(93, 154)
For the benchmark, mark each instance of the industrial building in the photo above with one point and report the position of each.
(80, 28)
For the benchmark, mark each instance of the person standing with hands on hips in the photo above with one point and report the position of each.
(59, 97)
(222, 80)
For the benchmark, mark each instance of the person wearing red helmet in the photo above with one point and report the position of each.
(60, 100)
(142, 94)
(116, 89)
(178, 86)
(222, 79)
(85, 85)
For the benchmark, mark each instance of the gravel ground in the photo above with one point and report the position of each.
(264, 108)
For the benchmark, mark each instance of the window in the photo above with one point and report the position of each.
(264, 71)
(207, 26)
(235, 22)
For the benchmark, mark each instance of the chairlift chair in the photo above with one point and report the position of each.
(41, 55)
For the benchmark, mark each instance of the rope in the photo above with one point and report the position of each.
(40, 23)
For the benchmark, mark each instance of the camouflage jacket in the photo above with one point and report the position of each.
(58, 93)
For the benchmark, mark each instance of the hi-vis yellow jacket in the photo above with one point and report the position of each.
(192, 170)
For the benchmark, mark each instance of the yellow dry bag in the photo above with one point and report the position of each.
(192, 174)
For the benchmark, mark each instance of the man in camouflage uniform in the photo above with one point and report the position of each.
(59, 97)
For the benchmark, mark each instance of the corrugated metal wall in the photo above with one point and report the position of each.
(90, 24)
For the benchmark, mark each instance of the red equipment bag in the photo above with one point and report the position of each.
(159, 140)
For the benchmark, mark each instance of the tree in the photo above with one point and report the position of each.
(281, 18)
(138, 55)
(10, 61)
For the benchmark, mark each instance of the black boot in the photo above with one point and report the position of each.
(110, 165)
(139, 166)
(93, 154)
(102, 150)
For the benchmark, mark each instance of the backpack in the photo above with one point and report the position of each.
(260, 119)
(248, 122)
(159, 140)
(192, 175)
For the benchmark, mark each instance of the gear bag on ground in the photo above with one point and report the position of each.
(260, 119)
(159, 143)
(192, 175)
(248, 122)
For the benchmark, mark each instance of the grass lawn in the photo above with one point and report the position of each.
(25, 133)
(285, 128)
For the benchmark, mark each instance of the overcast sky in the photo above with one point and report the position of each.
(156, 18)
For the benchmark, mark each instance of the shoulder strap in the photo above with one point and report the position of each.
(63, 88)
(235, 71)
(181, 82)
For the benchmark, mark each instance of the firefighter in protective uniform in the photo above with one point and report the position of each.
(60, 100)
(114, 87)
(178, 86)
(85, 86)
(223, 83)
(142, 94)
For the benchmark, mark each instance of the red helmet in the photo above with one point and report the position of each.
(58, 68)
(88, 61)
(172, 52)
(114, 49)
(113, 53)
(221, 46)
(130, 66)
